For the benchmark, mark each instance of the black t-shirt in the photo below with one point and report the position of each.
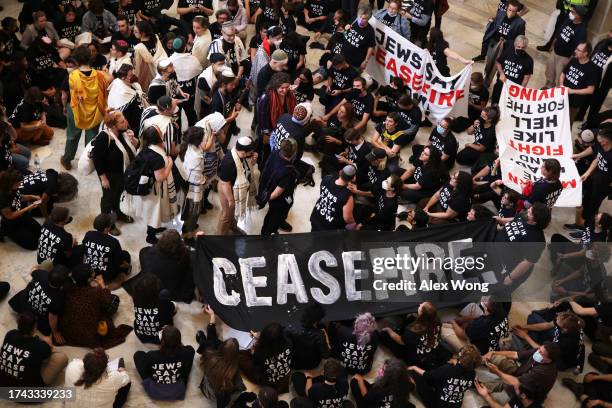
(572, 347)
(41, 60)
(545, 192)
(361, 104)
(193, 3)
(149, 8)
(327, 213)
(357, 359)
(450, 382)
(579, 76)
(67, 30)
(422, 8)
(444, 144)
(357, 155)
(388, 20)
(53, 244)
(317, 8)
(460, 203)
(358, 40)
(263, 77)
(375, 179)
(293, 49)
(600, 56)
(223, 103)
(149, 321)
(39, 183)
(131, 40)
(274, 368)
(215, 30)
(485, 136)
(164, 369)
(309, 346)
(486, 331)
(604, 313)
(387, 210)
(409, 118)
(282, 174)
(342, 78)
(25, 113)
(426, 178)
(255, 41)
(287, 24)
(604, 159)
(285, 128)
(477, 96)
(440, 58)
(324, 395)
(504, 28)
(421, 347)
(568, 38)
(42, 298)
(227, 169)
(102, 253)
(516, 66)
(20, 360)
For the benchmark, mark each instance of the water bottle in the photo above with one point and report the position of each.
(36, 162)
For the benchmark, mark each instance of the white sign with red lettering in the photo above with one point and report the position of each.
(534, 125)
(395, 56)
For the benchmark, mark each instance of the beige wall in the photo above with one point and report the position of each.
(601, 22)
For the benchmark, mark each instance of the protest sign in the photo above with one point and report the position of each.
(396, 56)
(534, 125)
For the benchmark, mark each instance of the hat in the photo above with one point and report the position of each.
(228, 24)
(349, 170)
(164, 102)
(216, 121)
(302, 112)
(376, 154)
(164, 63)
(245, 144)
(216, 57)
(581, 10)
(587, 136)
(178, 43)
(228, 73)
(59, 214)
(279, 56)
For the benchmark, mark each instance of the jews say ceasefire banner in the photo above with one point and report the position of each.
(252, 280)
(534, 125)
(395, 56)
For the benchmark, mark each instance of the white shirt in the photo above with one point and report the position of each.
(100, 394)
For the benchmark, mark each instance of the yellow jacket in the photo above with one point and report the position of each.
(87, 98)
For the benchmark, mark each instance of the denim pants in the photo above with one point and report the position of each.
(73, 135)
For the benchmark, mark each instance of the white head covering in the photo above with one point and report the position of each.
(212, 123)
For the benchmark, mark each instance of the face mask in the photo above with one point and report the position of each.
(520, 52)
(572, 16)
(381, 371)
(392, 14)
(440, 129)
(361, 22)
(537, 357)
(357, 90)
(277, 43)
(385, 185)
(172, 75)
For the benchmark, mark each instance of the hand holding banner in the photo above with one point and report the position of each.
(534, 126)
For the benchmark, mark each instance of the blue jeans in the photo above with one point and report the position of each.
(73, 135)
(21, 160)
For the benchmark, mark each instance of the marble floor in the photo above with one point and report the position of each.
(463, 26)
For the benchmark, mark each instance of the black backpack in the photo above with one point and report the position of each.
(138, 177)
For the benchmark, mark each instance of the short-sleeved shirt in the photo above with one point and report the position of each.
(485, 135)
(449, 383)
(477, 96)
(42, 60)
(20, 360)
(42, 297)
(193, 3)
(149, 8)
(426, 179)
(342, 78)
(228, 171)
(293, 49)
(545, 192)
(324, 395)
(460, 203)
(486, 331)
(53, 244)
(327, 214)
(277, 367)
(604, 160)
(358, 40)
(600, 57)
(568, 38)
(579, 76)
(535, 376)
(410, 117)
(357, 155)
(354, 357)
(102, 253)
(515, 65)
(422, 8)
(25, 113)
(439, 57)
(149, 321)
(67, 30)
(361, 104)
(39, 183)
(444, 144)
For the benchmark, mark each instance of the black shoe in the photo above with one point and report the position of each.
(316, 45)
(426, 123)
(152, 239)
(479, 58)
(576, 234)
(200, 337)
(574, 227)
(543, 48)
(124, 218)
(602, 366)
(114, 231)
(576, 388)
(207, 204)
(285, 226)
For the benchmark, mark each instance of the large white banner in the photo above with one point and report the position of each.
(535, 125)
(395, 56)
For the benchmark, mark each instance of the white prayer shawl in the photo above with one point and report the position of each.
(200, 47)
(120, 94)
(114, 64)
(121, 147)
(152, 117)
(173, 89)
(245, 190)
(145, 64)
(217, 46)
(210, 78)
(187, 66)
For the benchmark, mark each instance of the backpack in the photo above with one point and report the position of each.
(138, 177)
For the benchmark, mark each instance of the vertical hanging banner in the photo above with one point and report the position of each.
(396, 56)
(534, 126)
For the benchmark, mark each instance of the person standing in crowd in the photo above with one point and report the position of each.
(118, 56)
(206, 81)
(187, 68)
(192, 156)
(224, 101)
(55, 243)
(147, 53)
(433, 385)
(237, 186)
(29, 119)
(153, 309)
(163, 117)
(86, 320)
(572, 33)
(485, 137)
(233, 49)
(126, 95)
(27, 360)
(113, 150)
(96, 383)
(360, 40)
(84, 97)
(392, 17)
(515, 65)
(580, 76)
(392, 384)
(158, 382)
(17, 222)
(165, 83)
(334, 207)
(276, 186)
(419, 13)
(263, 56)
(277, 63)
(201, 40)
(440, 51)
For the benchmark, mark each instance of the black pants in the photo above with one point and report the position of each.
(485, 193)
(379, 4)
(428, 396)
(122, 395)
(350, 6)
(110, 274)
(24, 231)
(5, 287)
(277, 213)
(418, 34)
(598, 390)
(597, 100)
(111, 196)
(561, 245)
(188, 107)
(497, 88)
(595, 191)
(468, 156)
(360, 401)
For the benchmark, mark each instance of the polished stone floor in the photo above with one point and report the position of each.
(463, 26)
